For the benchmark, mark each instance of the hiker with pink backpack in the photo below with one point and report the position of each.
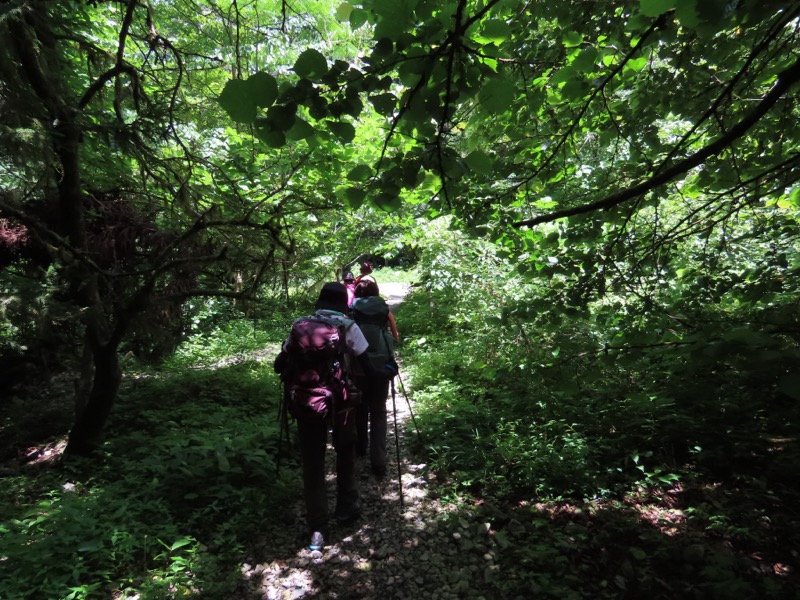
(316, 364)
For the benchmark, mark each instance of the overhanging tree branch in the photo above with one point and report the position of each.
(726, 93)
(786, 79)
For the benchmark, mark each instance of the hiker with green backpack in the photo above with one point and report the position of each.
(373, 316)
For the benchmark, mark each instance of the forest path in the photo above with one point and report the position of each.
(415, 549)
(394, 293)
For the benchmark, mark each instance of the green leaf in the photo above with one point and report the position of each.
(572, 39)
(655, 8)
(574, 89)
(352, 106)
(586, 60)
(638, 553)
(387, 202)
(496, 30)
(360, 173)
(90, 546)
(496, 95)
(281, 117)
(222, 462)
(394, 17)
(389, 29)
(262, 88)
(300, 130)
(235, 99)
(344, 12)
(353, 196)
(358, 17)
(383, 47)
(311, 64)
(410, 72)
(431, 181)
(343, 130)
(480, 162)
(185, 541)
(271, 137)
(637, 64)
(686, 13)
(563, 74)
(453, 167)
(411, 174)
(384, 104)
(747, 337)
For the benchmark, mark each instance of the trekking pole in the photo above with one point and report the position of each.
(282, 426)
(403, 389)
(411, 412)
(397, 446)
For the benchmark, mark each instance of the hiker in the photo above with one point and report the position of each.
(315, 363)
(350, 284)
(372, 314)
(366, 273)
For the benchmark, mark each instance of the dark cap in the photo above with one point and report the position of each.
(333, 296)
(349, 277)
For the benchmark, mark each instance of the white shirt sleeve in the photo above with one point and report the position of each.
(355, 340)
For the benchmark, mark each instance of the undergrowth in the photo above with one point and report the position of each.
(187, 475)
(601, 473)
(670, 458)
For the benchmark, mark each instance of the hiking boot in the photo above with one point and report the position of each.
(317, 541)
(348, 515)
(379, 471)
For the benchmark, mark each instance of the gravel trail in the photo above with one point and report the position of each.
(420, 550)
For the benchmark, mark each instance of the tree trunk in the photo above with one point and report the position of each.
(85, 378)
(40, 63)
(87, 434)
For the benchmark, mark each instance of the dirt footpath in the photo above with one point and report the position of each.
(394, 293)
(407, 544)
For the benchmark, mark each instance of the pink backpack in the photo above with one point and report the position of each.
(315, 375)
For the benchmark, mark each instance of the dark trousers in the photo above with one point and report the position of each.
(313, 435)
(371, 421)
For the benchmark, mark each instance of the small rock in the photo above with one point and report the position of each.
(515, 527)
(502, 540)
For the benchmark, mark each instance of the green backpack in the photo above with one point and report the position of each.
(372, 316)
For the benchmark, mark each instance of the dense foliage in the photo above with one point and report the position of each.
(656, 444)
(600, 201)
